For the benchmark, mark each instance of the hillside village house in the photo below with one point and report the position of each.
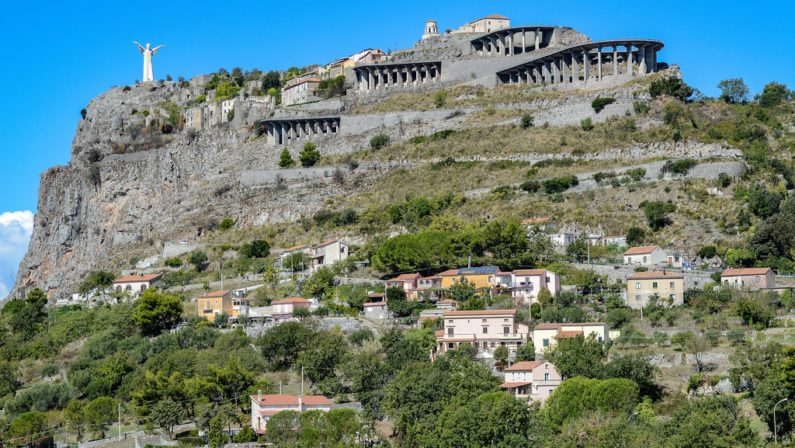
(751, 278)
(614, 240)
(546, 336)
(525, 284)
(284, 309)
(645, 256)
(407, 282)
(136, 284)
(486, 24)
(535, 380)
(219, 302)
(263, 407)
(668, 286)
(300, 91)
(324, 254)
(485, 330)
(428, 288)
(479, 277)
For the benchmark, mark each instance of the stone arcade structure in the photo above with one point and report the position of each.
(379, 76)
(516, 40)
(281, 131)
(586, 61)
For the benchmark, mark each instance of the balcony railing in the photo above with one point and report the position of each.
(484, 336)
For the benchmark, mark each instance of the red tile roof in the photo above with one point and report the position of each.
(326, 243)
(214, 295)
(300, 246)
(524, 365)
(514, 385)
(640, 250)
(138, 278)
(291, 300)
(448, 273)
(530, 272)
(405, 277)
(493, 16)
(552, 326)
(653, 275)
(745, 271)
(569, 334)
(374, 304)
(447, 301)
(276, 399)
(478, 313)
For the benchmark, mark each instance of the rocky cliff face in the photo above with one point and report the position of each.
(127, 182)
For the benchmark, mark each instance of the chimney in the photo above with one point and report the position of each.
(259, 395)
(300, 403)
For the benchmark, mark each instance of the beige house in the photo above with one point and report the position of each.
(136, 284)
(300, 92)
(535, 380)
(285, 308)
(263, 407)
(645, 256)
(752, 278)
(328, 253)
(484, 329)
(668, 286)
(546, 336)
(486, 24)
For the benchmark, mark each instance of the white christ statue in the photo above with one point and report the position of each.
(148, 53)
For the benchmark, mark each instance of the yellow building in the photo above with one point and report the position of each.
(480, 277)
(668, 286)
(218, 302)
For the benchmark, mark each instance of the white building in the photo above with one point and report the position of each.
(486, 24)
(617, 240)
(136, 284)
(546, 336)
(263, 407)
(525, 284)
(328, 253)
(645, 256)
(300, 92)
(284, 309)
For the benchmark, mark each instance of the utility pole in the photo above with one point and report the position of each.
(775, 429)
(302, 381)
(119, 420)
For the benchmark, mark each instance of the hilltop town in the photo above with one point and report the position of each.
(505, 235)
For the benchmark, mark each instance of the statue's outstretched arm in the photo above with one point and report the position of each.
(154, 50)
(140, 48)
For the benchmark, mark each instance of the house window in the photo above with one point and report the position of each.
(489, 280)
(450, 321)
(506, 330)
(599, 339)
(672, 296)
(654, 284)
(450, 331)
(545, 343)
(644, 258)
(671, 285)
(546, 376)
(637, 297)
(547, 279)
(450, 345)
(637, 285)
(484, 320)
(485, 330)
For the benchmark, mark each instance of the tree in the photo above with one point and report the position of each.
(9, 379)
(707, 422)
(319, 361)
(221, 320)
(295, 262)
(527, 121)
(166, 414)
(635, 236)
(671, 86)
(281, 344)
(635, 367)
(707, 252)
(696, 347)
(762, 202)
(256, 249)
(28, 425)
(99, 413)
(773, 94)
(309, 155)
(198, 259)
(656, 214)
(733, 90)
(286, 160)
(578, 249)
(96, 280)
(226, 224)
(73, 417)
(271, 80)
(271, 277)
(501, 354)
(740, 257)
(27, 315)
(491, 419)
(578, 356)
(526, 352)
(396, 302)
(317, 284)
(576, 396)
(157, 311)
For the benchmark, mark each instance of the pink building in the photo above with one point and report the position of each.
(408, 282)
(531, 379)
(753, 278)
(485, 330)
(263, 407)
(283, 309)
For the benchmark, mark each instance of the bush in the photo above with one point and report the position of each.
(173, 262)
(226, 224)
(527, 121)
(379, 141)
(198, 259)
(256, 249)
(83, 113)
(560, 184)
(707, 252)
(599, 103)
(671, 86)
(641, 108)
(586, 124)
(286, 160)
(439, 98)
(656, 213)
(309, 156)
(530, 186)
(773, 94)
(682, 166)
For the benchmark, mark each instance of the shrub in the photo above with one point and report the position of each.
(560, 184)
(656, 213)
(198, 259)
(256, 249)
(773, 94)
(226, 224)
(636, 174)
(586, 124)
(530, 186)
(599, 103)
(93, 174)
(671, 86)
(309, 156)
(83, 113)
(641, 108)
(201, 98)
(724, 180)
(682, 166)
(50, 370)
(600, 176)
(173, 262)
(230, 115)
(379, 141)
(527, 121)
(707, 252)
(439, 98)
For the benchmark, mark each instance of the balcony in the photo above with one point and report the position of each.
(481, 336)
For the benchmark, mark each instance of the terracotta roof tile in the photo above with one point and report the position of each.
(478, 313)
(138, 278)
(745, 271)
(276, 399)
(215, 294)
(569, 334)
(530, 272)
(290, 300)
(640, 250)
(507, 385)
(524, 365)
(653, 275)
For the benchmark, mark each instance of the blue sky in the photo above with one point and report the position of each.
(59, 55)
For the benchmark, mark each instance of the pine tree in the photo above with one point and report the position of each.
(286, 161)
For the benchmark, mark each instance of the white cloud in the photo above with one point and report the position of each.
(15, 231)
